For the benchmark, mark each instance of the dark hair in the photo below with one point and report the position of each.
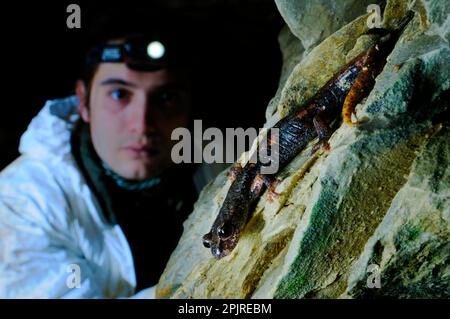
(120, 22)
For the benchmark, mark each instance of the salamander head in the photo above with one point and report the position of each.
(221, 239)
(232, 217)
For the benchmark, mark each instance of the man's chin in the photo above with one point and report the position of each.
(142, 170)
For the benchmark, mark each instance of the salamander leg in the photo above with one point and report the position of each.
(324, 132)
(273, 195)
(271, 184)
(357, 92)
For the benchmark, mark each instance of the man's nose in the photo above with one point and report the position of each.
(142, 118)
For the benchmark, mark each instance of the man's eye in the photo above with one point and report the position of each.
(120, 94)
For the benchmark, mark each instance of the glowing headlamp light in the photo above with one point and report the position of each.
(137, 53)
(155, 50)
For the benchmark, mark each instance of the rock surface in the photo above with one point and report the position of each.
(313, 21)
(371, 218)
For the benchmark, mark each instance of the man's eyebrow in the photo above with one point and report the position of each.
(117, 81)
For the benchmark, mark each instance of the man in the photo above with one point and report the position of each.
(94, 206)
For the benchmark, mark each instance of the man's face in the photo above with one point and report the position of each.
(132, 115)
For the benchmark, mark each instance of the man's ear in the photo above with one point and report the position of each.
(81, 92)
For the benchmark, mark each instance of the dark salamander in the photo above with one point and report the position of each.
(339, 95)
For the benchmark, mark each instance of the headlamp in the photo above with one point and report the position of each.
(138, 53)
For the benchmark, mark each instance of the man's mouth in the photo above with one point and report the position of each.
(142, 150)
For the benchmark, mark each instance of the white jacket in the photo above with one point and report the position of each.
(54, 240)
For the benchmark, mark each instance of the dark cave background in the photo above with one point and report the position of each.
(42, 59)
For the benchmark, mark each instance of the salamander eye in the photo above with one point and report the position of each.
(206, 244)
(225, 231)
(207, 240)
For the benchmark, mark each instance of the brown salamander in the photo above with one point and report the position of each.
(339, 95)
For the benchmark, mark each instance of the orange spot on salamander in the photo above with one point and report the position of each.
(302, 114)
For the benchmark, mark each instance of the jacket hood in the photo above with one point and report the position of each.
(49, 132)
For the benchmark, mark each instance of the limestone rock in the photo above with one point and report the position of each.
(411, 245)
(313, 21)
(371, 218)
